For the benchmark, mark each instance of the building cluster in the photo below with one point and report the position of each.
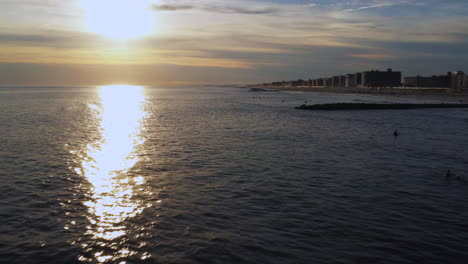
(456, 80)
(364, 79)
(379, 79)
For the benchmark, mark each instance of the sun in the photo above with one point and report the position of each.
(119, 19)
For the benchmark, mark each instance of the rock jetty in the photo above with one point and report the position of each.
(364, 106)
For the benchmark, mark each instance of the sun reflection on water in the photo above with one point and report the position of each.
(105, 164)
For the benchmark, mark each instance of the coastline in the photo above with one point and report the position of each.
(433, 94)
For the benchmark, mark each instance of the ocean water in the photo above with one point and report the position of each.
(224, 175)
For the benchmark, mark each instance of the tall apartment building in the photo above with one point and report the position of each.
(458, 80)
(350, 80)
(442, 81)
(387, 78)
(358, 78)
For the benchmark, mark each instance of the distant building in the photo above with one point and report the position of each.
(341, 81)
(336, 81)
(319, 82)
(465, 82)
(412, 81)
(387, 78)
(442, 81)
(314, 83)
(299, 82)
(457, 80)
(358, 79)
(350, 80)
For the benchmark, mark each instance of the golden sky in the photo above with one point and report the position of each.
(174, 42)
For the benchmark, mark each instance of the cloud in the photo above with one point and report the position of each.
(57, 39)
(163, 75)
(258, 39)
(168, 7)
(34, 38)
(214, 9)
(369, 56)
(374, 6)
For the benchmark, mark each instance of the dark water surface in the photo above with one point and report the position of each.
(224, 175)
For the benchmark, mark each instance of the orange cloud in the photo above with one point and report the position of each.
(116, 56)
(373, 56)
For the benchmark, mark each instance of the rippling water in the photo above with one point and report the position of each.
(123, 174)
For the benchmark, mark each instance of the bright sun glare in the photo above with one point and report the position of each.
(118, 19)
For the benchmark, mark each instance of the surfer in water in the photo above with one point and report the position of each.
(459, 176)
(448, 174)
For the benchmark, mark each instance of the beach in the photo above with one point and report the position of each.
(432, 94)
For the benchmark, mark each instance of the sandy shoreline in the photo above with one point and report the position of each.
(433, 94)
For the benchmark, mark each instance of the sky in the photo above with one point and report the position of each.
(185, 42)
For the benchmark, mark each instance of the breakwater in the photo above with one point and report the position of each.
(364, 106)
